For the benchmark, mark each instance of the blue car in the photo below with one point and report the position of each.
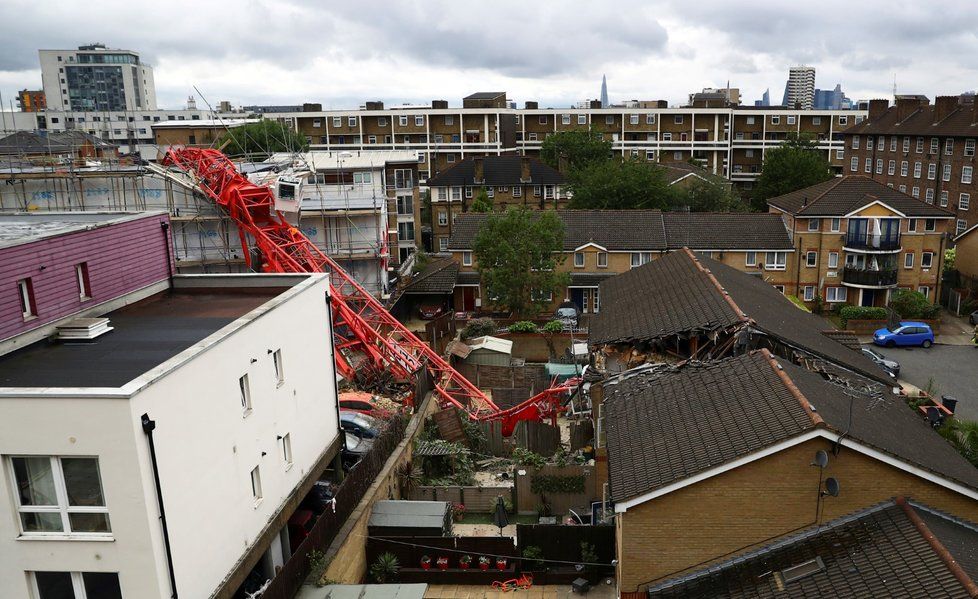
(908, 333)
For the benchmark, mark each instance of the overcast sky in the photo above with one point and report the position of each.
(341, 52)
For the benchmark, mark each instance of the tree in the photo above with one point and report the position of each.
(615, 184)
(517, 253)
(704, 196)
(264, 137)
(796, 164)
(482, 202)
(568, 151)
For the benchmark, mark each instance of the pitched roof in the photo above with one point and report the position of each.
(54, 142)
(958, 122)
(497, 171)
(726, 231)
(615, 230)
(677, 171)
(438, 276)
(484, 96)
(842, 195)
(681, 293)
(881, 551)
(697, 416)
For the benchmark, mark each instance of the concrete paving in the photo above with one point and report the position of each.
(954, 331)
(445, 591)
(954, 369)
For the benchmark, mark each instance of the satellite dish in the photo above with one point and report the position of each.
(821, 458)
(832, 487)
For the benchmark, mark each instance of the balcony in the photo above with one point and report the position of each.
(865, 277)
(869, 242)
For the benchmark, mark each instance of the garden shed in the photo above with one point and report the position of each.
(490, 351)
(403, 518)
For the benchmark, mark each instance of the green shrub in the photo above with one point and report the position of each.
(554, 326)
(534, 557)
(541, 484)
(385, 569)
(913, 304)
(525, 457)
(861, 313)
(479, 328)
(523, 326)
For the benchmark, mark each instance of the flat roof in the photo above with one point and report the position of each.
(203, 123)
(20, 228)
(146, 334)
(318, 160)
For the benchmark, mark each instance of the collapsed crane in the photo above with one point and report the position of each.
(365, 334)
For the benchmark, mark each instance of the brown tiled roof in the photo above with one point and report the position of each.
(615, 230)
(877, 552)
(676, 171)
(847, 338)
(438, 276)
(726, 231)
(665, 424)
(675, 295)
(497, 171)
(958, 123)
(842, 195)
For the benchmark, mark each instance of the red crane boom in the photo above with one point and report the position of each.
(361, 324)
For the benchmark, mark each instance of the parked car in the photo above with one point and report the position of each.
(907, 334)
(354, 449)
(568, 314)
(431, 311)
(973, 318)
(892, 367)
(364, 403)
(359, 425)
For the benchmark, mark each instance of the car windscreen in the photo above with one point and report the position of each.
(566, 312)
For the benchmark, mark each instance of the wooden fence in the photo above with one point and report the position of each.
(581, 434)
(475, 499)
(563, 543)
(529, 501)
(440, 331)
(410, 550)
(348, 495)
(538, 437)
(532, 376)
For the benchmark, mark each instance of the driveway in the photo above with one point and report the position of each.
(954, 369)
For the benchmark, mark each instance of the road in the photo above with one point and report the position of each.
(954, 369)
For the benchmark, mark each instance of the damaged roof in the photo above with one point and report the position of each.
(895, 549)
(697, 416)
(437, 277)
(682, 293)
(840, 196)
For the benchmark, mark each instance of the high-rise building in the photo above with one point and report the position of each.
(31, 100)
(604, 91)
(96, 78)
(801, 87)
(831, 99)
(765, 99)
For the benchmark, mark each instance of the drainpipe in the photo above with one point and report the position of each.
(165, 226)
(148, 427)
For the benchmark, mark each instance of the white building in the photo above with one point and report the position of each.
(801, 87)
(214, 401)
(96, 78)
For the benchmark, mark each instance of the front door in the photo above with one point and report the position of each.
(869, 298)
(577, 296)
(468, 299)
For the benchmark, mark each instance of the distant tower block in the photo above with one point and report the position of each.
(604, 91)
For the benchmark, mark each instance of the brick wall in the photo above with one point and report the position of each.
(757, 502)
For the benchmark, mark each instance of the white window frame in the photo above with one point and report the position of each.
(542, 119)
(466, 258)
(814, 224)
(468, 192)
(881, 143)
(776, 119)
(854, 164)
(650, 119)
(602, 259)
(855, 142)
(960, 226)
(609, 119)
(633, 119)
(808, 293)
(351, 121)
(904, 168)
(893, 143)
(77, 582)
(256, 491)
(969, 147)
(926, 259)
(929, 195)
(244, 394)
(442, 218)
(677, 119)
(287, 450)
(442, 193)
(811, 259)
(915, 191)
(28, 304)
(517, 191)
(918, 169)
(964, 201)
(891, 167)
(442, 243)
(833, 260)
(949, 146)
(579, 260)
(816, 120)
(879, 166)
(402, 120)
(337, 121)
(381, 121)
(869, 165)
(792, 119)
(582, 119)
(924, 290)
(565, 119)
(906, 144)
(835, 225)
(279, 367)
(912, 225)
(749, 120)
(419, 121)
(836, 294)
(935, 145)
(967, 174)
(919, 146)
(779, 262)
(61, 494)
(449, 119)
(839, 154)
(908, 259)
(750, 259)
(931, 171)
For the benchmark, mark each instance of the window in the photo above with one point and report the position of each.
(881, 142)
(351, 121)
(891, 167)
(912, 225)
(969, 147)
(602, 260)
(244, 391)
(854, 164)
(960, 226)
(419, 121)
(835, 225)
(517, 191)
(816, 120)
(813, 224)
(750, 120)
(371, 139)
(924, 291)
(948, 146)
(749, 153)
(28, 306)
(775, 120)
(421, 157)
(582, 119)
(405, 231)
(930, 224)
(609, 119)
(491, 192)
(966, 172)
(565, 119)
(287, 450)
(791, 119)
(855, 142)
(650, 119)
(902, 188)
(904, 168)
(833, 259)
(578, 260)
(879, 166)
(279, 367)
(839, 154)
(466, 258)
(934, 145)
(442, 218)
(893, 143)
(61, 495)
(915, 192)
(542, 119)
(836, 294)
(964, 201)
(256, 484)
(775, 260)
(337, 121)
(678, 119)
(919, 145)
(402, 120)
(317, 123)
(811, 259)
(677, 156)
(548, 191)
(931, 171)
(751, 259)
(908, 260)
(405, 205)
(640, 258)
(449, 119)
(926, 259)
(442, 243)
(536, 190)
(780, 289)
(929, 195)
(633, 119)
(75, 585)
(442, 193)
(809, 292)
(450, 158)
(917, 169)
(468, 192)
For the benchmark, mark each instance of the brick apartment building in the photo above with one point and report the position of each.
(857, 240)
(726, 140)
(925, 150)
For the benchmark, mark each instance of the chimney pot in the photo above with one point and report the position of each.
(525, 170)
(478, 175)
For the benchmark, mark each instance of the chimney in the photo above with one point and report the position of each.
(907, 106)
(595, 104)
(662, 104)
(877, 108)
(530, 105)
(524, 170)
(439, 103)
(943, 106)
(478, 175)
(374, 105)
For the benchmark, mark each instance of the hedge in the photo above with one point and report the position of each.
(541, 483)
(861, 313)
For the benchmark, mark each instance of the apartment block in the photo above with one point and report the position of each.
(96, 78)
(922, 149)
(31, 100)
(857, 240)
(195, 132)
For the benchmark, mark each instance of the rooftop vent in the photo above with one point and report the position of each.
(801, 570)
(83, 329)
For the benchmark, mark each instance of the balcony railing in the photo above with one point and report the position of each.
(868, 241)
(869, 278)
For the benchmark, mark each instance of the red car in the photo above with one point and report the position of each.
(364, 403)
(431, 311)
